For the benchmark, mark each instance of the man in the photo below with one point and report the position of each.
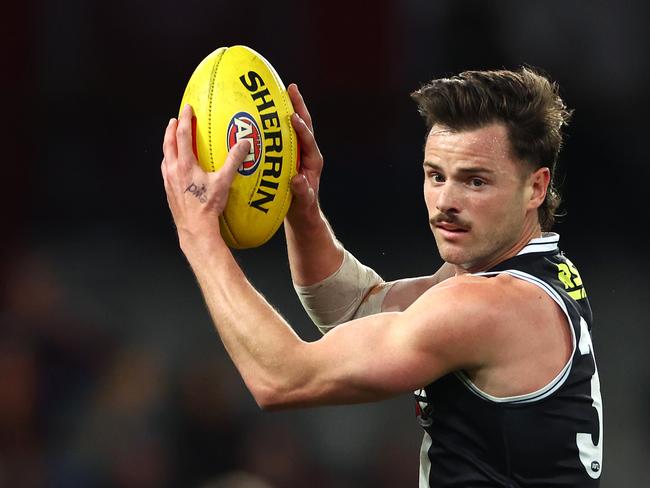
(499, 354)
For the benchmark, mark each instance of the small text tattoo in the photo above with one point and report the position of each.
(198, 192)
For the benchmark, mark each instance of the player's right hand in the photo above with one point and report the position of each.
(305, 184)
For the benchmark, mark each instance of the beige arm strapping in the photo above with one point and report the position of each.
(344, 295)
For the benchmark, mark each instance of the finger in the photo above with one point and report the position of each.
(234, 160)
(184, 138)
(302, 192)
(299, 105)
(163, 170)
(308, 145)
(170, 150)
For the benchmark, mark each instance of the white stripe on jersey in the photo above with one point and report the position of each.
(548, 242)
(425, 462)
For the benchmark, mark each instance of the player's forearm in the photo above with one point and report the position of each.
(314, 253)
(261, 344)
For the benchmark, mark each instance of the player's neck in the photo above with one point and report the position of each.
(530, 231)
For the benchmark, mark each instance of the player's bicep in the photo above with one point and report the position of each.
(373, 358)
(383, 355)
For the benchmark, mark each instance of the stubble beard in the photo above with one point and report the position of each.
(475, 254)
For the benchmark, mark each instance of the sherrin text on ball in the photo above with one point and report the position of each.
(236, 94)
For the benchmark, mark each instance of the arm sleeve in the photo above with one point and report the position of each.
(352, 291)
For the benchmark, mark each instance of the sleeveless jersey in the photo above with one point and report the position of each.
(552, 437)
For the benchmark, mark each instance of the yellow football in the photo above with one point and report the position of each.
(236, 94)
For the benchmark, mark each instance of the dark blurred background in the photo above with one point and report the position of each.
(110, 372)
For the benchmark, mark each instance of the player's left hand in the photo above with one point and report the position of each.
(196, 198)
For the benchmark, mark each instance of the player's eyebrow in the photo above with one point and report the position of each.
(464, 169)
(432, 165)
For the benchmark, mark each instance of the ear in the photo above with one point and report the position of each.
(538, 183)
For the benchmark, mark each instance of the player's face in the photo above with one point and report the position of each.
(478, 196)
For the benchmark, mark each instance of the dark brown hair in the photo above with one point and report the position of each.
(526, 102)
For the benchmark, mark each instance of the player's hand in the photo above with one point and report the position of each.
(305, 184)
(196, 198)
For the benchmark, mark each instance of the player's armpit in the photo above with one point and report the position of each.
(386, 354)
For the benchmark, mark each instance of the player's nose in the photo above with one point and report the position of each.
(448, 199)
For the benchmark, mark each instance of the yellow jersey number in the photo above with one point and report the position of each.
(570, 278)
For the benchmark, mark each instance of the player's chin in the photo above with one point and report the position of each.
(454, 251)
(455, 258)
(451, 253)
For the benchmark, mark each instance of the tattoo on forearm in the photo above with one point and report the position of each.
(198, 191)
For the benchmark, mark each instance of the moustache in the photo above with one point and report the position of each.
(451, 219)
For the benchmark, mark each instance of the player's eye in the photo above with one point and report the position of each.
(476, 182)
(436, 177)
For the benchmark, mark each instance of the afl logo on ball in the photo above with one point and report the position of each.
(243, 126)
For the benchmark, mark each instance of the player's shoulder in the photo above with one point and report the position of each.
(475, 318)
(484, 298)
(466, 319)
(477, 286)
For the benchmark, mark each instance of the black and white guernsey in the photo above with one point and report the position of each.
(552, 437)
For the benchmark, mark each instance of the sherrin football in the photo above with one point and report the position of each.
(236, 94)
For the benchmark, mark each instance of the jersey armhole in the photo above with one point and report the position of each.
(559, 379)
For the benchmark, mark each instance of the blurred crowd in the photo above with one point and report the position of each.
(85, 405)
